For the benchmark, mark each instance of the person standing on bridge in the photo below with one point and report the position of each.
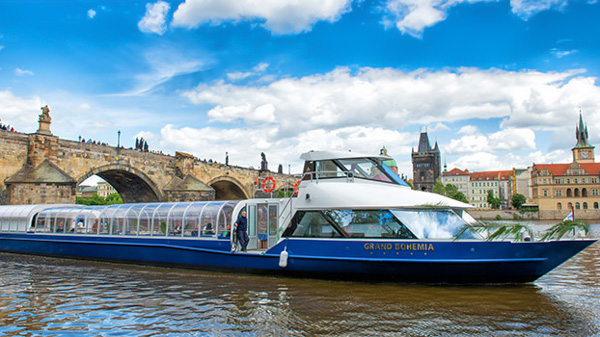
(241, 228)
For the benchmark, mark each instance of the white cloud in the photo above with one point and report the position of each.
(389, 97)
(439, 127)
(562, 53)
(468, 129)
(164, 63)
(236, 76)
(20, 112)
(91, 13)
(261, 67)
(154, 21)
(245, 144)
(525, 9)
(486, 161)
(278, 16)
(22, 72)
(412, 17)
(504, 140)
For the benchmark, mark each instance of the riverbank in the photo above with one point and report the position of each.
(511, 214)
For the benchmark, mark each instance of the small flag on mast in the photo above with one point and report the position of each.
(569, 217)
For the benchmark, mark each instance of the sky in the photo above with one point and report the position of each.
(498, 84)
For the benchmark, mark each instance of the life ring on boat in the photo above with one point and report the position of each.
(296, 185)
(268, 184)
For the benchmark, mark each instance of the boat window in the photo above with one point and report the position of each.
(312, 224)
(205, 219)
(328, 169)
(434, 223)
(369, 224)
(348, 223)
(364, 168)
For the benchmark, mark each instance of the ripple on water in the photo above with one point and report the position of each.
(45, 296)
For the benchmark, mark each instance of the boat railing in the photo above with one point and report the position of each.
(317, 175)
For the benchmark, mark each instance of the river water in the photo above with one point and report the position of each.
(42, 296)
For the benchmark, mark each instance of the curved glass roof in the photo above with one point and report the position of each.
(188, 219)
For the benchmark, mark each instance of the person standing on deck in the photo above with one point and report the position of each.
(241, 225)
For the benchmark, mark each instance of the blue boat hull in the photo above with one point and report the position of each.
(398, 261)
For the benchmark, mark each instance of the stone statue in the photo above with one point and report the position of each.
(44, 121)
(264, 165)
(45, 114)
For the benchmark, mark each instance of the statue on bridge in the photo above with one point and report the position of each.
(45, 113)
(44, 121)
(264, 165)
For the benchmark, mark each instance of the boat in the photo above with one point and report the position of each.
(351, 217)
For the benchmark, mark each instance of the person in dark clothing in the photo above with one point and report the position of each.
(241, 227)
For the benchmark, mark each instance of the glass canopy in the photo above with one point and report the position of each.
(209, 219)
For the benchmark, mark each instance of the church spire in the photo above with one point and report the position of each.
(581, 133)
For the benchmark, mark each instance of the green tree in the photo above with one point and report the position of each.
(114, 198)
(439, 188)
(449, 190)
(460, 196)
(518, 200)
(493, 201)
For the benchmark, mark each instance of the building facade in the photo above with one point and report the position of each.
(105, 189)
(458, 178)
(499, 182)
(475, 185)
(562, 187)
(426, 164)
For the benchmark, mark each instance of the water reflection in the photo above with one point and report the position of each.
(46, 296)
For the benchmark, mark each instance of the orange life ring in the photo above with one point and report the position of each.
(267, 188)
(296, 186)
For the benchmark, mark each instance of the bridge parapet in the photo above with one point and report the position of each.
(137, 176)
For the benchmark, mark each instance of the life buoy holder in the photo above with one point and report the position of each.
(296, 186)
(269, 184)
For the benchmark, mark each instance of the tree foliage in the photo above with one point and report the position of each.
(518, 200)
(449, 190)
(493, 201)
(557, 231)
(112, 199)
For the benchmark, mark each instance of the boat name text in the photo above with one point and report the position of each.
(398, 246)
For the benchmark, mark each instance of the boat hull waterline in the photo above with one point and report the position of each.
(375, 260)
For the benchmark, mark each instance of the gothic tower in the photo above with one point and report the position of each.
(583, 152)
(426, 164)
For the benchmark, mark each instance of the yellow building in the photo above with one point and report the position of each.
(562, 187)
(105, 189)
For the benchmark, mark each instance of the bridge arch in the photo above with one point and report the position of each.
(132, 184)
(228, 188)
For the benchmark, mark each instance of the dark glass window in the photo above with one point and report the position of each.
(348, 223)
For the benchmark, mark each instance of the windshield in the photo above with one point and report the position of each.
(364, 168)
(434, 223)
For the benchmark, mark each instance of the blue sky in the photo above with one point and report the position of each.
(499, 84)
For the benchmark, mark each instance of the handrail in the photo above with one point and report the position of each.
(314, 175)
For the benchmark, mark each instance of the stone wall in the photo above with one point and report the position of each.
(137, 176)
(25, 194)
(13, 154)
(580, 214)
(504, 214)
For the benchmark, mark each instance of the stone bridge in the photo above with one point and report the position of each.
(42, 168)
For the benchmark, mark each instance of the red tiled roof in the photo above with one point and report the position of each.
(456, 172)
(491, 175)
(560, 169)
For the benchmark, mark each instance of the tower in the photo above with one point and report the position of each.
(583, 152)
(426, 164)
